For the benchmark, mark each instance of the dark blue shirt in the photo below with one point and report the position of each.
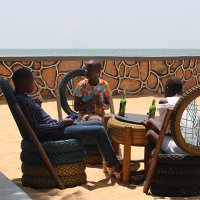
(41, 123)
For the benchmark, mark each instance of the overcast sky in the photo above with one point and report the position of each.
(66, 24)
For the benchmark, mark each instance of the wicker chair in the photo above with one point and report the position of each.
(178, 174)
(66, 89)
(44, 163)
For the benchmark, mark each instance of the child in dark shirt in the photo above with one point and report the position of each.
(48, 129)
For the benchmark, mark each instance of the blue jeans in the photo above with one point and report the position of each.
(90, 129)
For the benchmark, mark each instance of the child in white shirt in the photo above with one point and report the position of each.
(173, 91)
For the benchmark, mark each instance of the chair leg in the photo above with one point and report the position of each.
(58, 105)
(127, 154)
(112, 110)
(157, 149)
(105, 122)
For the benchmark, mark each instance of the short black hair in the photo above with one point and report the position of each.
(175, 84)
(95, 63)
(20, 75)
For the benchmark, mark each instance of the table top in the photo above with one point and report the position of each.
(133, 118)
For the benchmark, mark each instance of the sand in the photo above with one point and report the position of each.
(99, 186)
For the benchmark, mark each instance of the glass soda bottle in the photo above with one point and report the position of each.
(97, 110)
(152, 110)
(122, 105)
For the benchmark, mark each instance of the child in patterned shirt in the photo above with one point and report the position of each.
(92, 91)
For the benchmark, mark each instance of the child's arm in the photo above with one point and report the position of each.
(79, 105)
(38, 100)
(150, 122)
(105, 105)
(163, 101)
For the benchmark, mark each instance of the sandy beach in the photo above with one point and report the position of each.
(99, 186)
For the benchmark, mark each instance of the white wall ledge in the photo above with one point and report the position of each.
(104, 58)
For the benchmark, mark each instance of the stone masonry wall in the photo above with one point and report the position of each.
(137, 76)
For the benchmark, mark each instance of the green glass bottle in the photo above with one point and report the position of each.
(122, 105)
(152, 110)
(98, 109)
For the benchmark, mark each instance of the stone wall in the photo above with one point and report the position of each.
(138, 75)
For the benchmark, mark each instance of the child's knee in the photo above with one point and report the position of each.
(102, 132)
(151, 136)
(95, 117)
(149, 133)
(109, 115)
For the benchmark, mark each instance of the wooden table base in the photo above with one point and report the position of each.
(128, 135)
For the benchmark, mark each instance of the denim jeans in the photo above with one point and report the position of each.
(90, 129)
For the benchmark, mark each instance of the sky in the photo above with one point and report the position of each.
(94, 24)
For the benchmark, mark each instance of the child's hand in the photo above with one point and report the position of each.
(145, 122)
(150, 122)
(38, 100)
(96, 99)
(100, 105)
(69, 121)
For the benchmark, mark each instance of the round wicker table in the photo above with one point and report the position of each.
(127, 131)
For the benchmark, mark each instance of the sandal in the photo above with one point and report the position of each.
(133, 167)
(140, 182)
(110, 170)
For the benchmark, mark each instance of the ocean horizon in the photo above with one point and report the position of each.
(99, 52)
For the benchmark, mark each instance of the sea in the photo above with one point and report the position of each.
(99, 52)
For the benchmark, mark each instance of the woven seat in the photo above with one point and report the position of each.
(187, 140)
(176, 175)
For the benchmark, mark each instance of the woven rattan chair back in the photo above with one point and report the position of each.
(67, 87)
(187, 136)
(8, 92)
